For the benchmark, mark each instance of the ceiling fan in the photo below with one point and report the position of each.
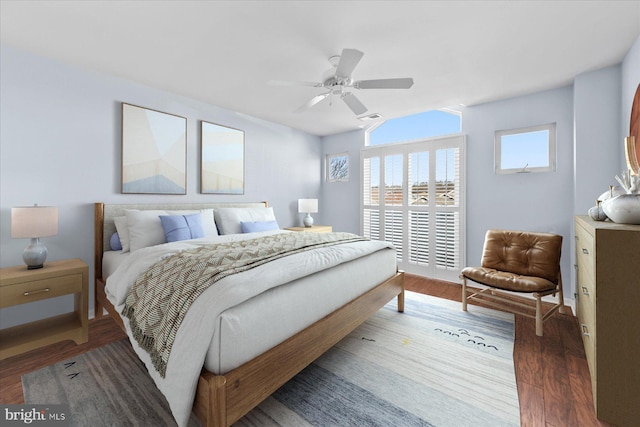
(339, 78)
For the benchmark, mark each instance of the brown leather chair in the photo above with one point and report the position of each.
(517, 262)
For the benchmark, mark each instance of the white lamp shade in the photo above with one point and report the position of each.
(34, 221)
(307, 205)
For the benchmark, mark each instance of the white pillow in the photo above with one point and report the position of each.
(208, 221)
(123, 231)
(228, 219)
(145, 228)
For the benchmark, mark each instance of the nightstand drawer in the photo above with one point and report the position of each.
(36, 290)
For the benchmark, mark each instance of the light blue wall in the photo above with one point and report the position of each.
(60, 145)
(340, 200)
(591, 118)
(533, 201)
(542, 202)
(598, 141)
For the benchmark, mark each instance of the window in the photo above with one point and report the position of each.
(338, 167)
(531, 149)
(413, 197)
(416, 127)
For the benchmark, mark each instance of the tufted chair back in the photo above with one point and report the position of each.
(523, 253)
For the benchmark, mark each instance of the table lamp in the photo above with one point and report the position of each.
(33, 222)
(308, 206)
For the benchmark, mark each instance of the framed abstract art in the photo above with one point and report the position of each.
(222, 156)
(154, 151)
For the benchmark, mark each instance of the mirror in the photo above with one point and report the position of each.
(632, 143)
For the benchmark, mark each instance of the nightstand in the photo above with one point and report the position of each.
(20, 286)
(313, 229)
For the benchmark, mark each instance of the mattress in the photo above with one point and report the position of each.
(262, 322)
(111, 260)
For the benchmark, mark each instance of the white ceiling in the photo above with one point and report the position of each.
(225, 52)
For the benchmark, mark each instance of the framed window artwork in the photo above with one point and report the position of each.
(154, 151)
(222, 156)
(338, 167)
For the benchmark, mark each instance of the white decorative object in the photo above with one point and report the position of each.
(597, 213)
(613, 191)
(624, 208)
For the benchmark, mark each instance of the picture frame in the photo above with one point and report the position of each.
(154, 151)
(222, 159)
(337, 167)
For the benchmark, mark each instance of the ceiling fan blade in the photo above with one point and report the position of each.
(403, 83)
(292, 83)
(313, 101)
(354, 103)
(348, 61)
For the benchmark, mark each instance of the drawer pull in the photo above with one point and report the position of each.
(585, 330)
(585, 251)
(585, 291)
(39, 291)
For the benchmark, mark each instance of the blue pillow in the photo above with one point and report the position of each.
(115, 243)
(254, 226)
(182, 227)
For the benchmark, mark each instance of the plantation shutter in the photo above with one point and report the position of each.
(413, 196)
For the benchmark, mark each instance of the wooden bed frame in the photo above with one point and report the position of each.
(221, 400)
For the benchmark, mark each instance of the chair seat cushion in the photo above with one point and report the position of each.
(507, 281)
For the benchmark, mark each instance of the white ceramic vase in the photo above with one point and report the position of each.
(623, 209)
(597, 213)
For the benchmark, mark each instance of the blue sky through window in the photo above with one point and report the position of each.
(529, 148)
(416, 126)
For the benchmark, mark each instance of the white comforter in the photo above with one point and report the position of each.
(199, 325)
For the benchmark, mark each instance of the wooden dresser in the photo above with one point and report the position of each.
(608, 309)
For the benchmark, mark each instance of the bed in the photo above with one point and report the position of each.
(226, 386)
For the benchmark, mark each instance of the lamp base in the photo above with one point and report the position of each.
(35, 254)
(308, 220)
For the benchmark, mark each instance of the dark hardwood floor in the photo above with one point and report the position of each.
(554, 387)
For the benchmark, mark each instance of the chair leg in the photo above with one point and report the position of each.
(560, 295)
(464, 293)
(538, 314)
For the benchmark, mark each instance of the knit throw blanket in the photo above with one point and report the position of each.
(160, 298)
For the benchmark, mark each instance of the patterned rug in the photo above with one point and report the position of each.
(433, 365)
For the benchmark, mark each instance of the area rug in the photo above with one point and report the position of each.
(433, 365)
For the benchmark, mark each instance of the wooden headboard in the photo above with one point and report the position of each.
(105, 227)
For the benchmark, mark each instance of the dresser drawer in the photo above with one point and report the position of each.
(586, 311)
(36, 290)
(585, 254)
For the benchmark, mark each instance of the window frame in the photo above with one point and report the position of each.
(551, 146)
